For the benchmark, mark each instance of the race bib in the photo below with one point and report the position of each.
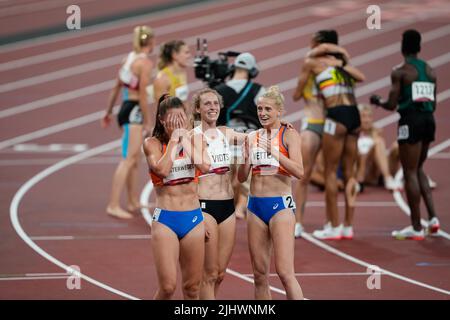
(304, 124)
(288, 202)
(329, 127)
(156, 214)
(182, 92)
(422, 91)
(403, 132)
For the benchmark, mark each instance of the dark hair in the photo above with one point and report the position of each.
(166, 52)
(411, 42)
(165, 103)
(349, 82)
(326, 36)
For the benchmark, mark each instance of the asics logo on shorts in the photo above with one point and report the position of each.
(275, 206)
(195, 219)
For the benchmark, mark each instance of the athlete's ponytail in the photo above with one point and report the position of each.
(142, 36)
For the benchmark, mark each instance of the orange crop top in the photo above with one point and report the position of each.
(182, 171)
(263, 163)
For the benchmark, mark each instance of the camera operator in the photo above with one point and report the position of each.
(240, 95)
(239, 112)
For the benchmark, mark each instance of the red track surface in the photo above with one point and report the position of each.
(71, 201)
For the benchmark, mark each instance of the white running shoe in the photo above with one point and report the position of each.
(328, 234)
(298, 230)
(327, 225)
(408, 233)
(347, 232)
(433, 226)
(391, 184)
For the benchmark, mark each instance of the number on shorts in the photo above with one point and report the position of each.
(289, 202)
(403, 132)
(329, 127)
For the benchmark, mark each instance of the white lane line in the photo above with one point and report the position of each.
(250, 280)
(350, 258)
(113, 160)
(46, 238)
(58, 98)
(366, 204)
(14, 212)
(441, 155)
(320, 274)
(156, 17)
(399, 198)
(159, 32)
(96, 116)
(106, 237)
(33, 278)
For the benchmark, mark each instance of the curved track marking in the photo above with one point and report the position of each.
(350, 258)
(14, 212)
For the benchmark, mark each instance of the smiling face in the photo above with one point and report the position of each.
(182, 56)
(209, 107)
(268, 112)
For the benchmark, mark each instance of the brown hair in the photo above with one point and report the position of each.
(197, 97)
(166, 52)
(165, 103)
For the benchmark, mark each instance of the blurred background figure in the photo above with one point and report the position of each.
(373, 163)
(134, 118)
(413, 96)
(313, 121)
(174, 59)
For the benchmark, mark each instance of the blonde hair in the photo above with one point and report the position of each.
(141, 37)
(275, 94)
(365, 107)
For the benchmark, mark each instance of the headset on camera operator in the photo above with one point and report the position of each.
(240, 95)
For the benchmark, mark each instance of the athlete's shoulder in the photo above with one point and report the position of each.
(151, 144)
(291, 133)
(398, 71)
(309, 62)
